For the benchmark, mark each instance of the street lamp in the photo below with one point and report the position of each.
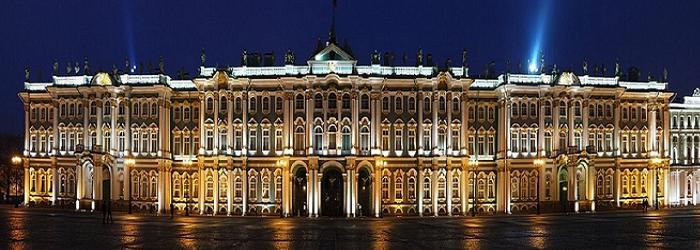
(474, 162)
(16, 161)
(539, 163)
(129, 162)
(656, 161)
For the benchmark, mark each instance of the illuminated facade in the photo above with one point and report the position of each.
(331, 137)
(685, 151)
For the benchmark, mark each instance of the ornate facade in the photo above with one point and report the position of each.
(685, 151)
(334, 138)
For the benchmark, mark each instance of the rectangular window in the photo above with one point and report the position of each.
(278, 139)
(624, 144)
(480, 146)
(266, 139)
(514, 142)
(186, 144)
(411, 139)
(176, 145)
(533, 142)
(455, 139)
(252, 139)
(385, 139)
(238, 139)
(398, 139)
(154, 142)
(426, 139)
(491, 144)
(471, 145)
(223, 140)
(210, 139)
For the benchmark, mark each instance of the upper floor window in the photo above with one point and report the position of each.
(253, 105)
(455, 105)
(299, 102)
(93, 108)
(385, 104)
(533, 110)
(562, 108)
(577, 108)
(223, 104)
(332, 101)
(318, 101)
(443, 105)
(411, 104)
(237, 105)
(547, 108)
(399, 103)
(364, 102)
(154, 109)
(266, 104)
(426, 104)
(210, 105)
(346, 101)
(278, 104)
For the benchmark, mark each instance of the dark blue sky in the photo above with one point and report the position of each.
(647, 34)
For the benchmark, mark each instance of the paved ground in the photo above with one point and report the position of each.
(49, 229)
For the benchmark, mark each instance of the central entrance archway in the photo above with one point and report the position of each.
(364, 182)
(332, 193)
(563, 188)
(299, 206)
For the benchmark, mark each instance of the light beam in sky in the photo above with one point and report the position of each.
(540, 27)
(129, 33)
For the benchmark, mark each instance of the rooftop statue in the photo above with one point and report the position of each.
(26, 73)
(665, 75)
(419, 57)
(617, 67)
(86, 66)
(696, 92)
(55, 67)
(244, 58)
(289, 57)
(161, 65)
(464, 57)
(69, 69)
(585, 66)
(202, 57)
(76, 68)
(375, 57)
(126, 66)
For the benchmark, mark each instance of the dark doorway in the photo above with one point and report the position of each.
(332, 193)
(299, 206)
(563, 189)
(364, 186)
(106, 186)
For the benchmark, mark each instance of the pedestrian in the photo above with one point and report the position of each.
(645, 204)
(172, 210)
(104, 212)
(109, 212)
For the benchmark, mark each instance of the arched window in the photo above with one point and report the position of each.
(299, 143)
(411, 104)
(347, 143)
(398, 188)
(426, 104)
(385, 188)
(299, 102)
(210, 105)
(223, 187)
(398, 103)
(426, 188)
(278, 104)
(346, 101)
(318, 101)
(252, 188)
(332, 136)
(547, 108)
(318, 138)
(364, 102)
(364, 139)
(533, 110)
(455, 105)
(176, 187)
(332, 101)
(562, 108)
(442, 104)
(223, 104)
(455, 186)
(441, 187)
(237, 106)
(238, 187)
(411, 188)
(209, 187)
(385, 104)
(253, 103)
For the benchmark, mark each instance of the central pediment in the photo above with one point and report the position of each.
(332, 53)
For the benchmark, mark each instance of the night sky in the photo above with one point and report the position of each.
(648, 34)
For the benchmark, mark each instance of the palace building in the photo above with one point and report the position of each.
(685, 151)
(331, 137)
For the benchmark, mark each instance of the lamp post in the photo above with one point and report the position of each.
(16, 161)
(187, 163)
(129, 162)
(474, 162)
(657, 162)
(539, 163)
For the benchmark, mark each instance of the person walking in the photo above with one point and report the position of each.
(104, 212)
(109, 212)
(172, 210)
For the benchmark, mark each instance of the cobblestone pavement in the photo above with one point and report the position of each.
(22, 228)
